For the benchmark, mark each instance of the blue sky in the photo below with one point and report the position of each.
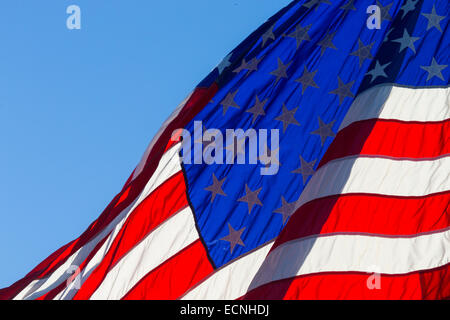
(78, 107)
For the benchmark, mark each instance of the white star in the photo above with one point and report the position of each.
(306, 169)
(300, 34)
(378, 71)
(281, 71)
(343, 90)
(434, 70)
(251, 197)
(234, 237)
(410, 5)
(434, 20)
(225, 63)
(257, 109)
(406, 41)
(324, 131)
(268, 35)
(216, 188)
(287, 209)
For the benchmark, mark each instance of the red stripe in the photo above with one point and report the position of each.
(120, 203)
(430, 284)
(52, 293)
(367, 213)
(199, 98)
(50, 264)
(162, 203)
(391, 138)
(176, 137)
(13, 290)
(175, 276)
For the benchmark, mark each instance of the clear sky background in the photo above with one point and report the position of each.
(78, 107)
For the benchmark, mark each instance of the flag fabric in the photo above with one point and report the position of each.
(358, 206)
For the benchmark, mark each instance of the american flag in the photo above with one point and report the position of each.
(359, 208)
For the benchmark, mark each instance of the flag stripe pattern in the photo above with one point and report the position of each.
(375, 126)
(191, 265)
(358, 204)
(231, 281)
(396, 209)
(344, 252)
(430, 284)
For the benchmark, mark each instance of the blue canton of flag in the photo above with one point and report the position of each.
(299, 73)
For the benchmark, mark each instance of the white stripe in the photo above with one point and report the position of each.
(233, 280)
(378, 176)
(168, 166)
(39, 287)
(405, 104)
(359, 253)
(173, 235)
